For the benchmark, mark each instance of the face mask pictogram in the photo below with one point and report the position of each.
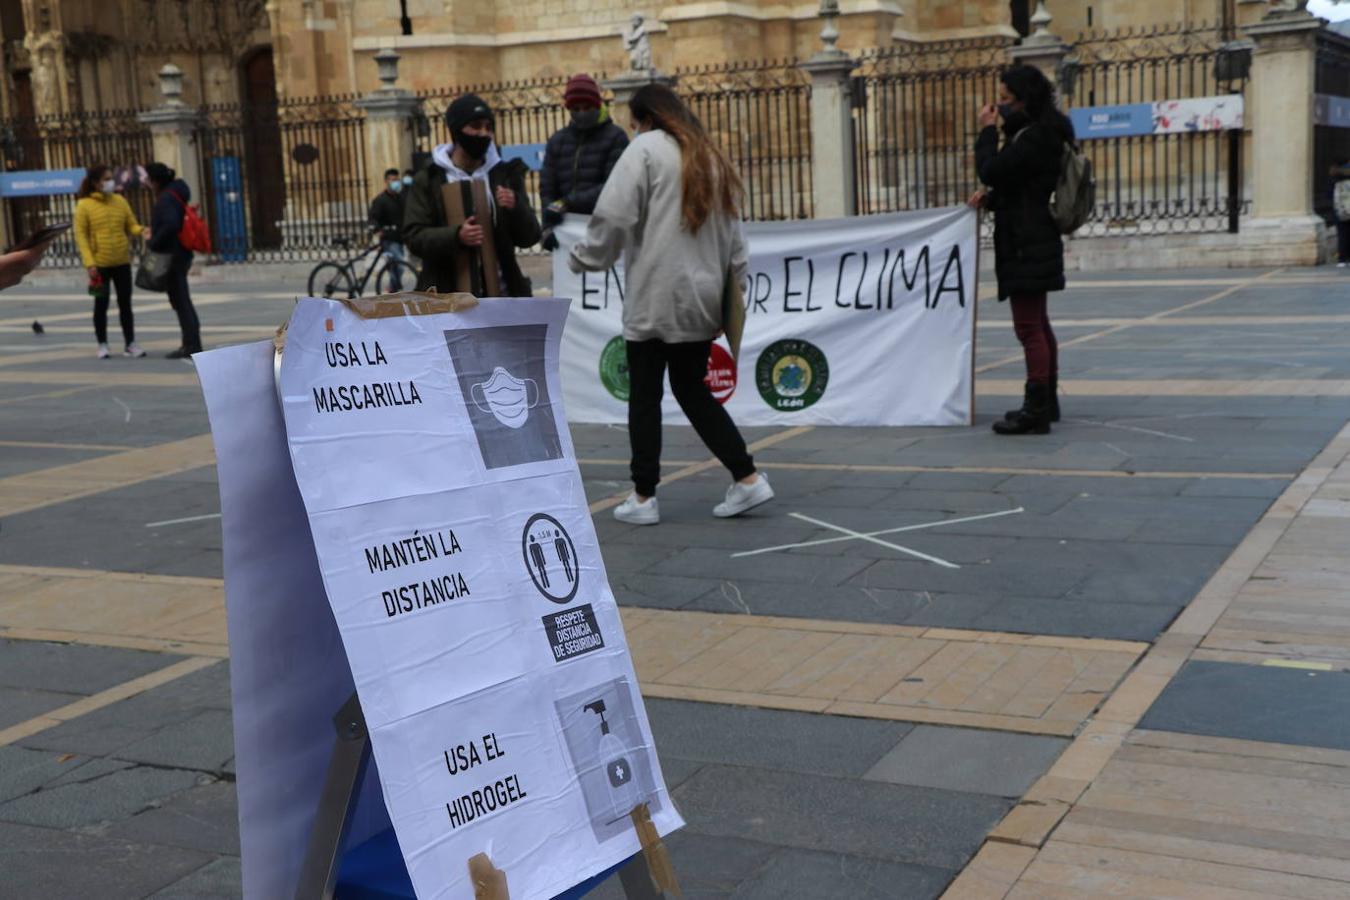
(506, 397)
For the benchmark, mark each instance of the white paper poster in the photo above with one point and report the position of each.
(288, 673)
(862, 321)
(462, 567)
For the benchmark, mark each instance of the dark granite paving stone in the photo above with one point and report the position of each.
(813, 812)
(1092, 486)
(220, 879)
(23, 771)
(1077, 618)
(807, 875)
(1194, 531)
(771, 739)
(799, 570)
(59, 865)
(21, 704)
(849, 603)
(73, 668)
(204, 742)
(202, 818)
(969, 759)
(1256, 703)
(677, 771)
(1146, 586)
(1265, 489)
(1011, 578)
(110, 798)
(18, 460)
(660, 591)
(707, 867)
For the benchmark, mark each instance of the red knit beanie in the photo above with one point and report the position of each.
(581, 88)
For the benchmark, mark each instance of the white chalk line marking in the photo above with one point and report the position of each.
(858, 535)
(1135, 428)
(183, 521)
(903, 528)
(126, 409)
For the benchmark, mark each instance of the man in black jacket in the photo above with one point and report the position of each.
(579, 157)
(386, 220)
(452, 255)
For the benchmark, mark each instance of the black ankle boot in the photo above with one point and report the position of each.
(1014, 413)
(1054, 398)
(1035, 418)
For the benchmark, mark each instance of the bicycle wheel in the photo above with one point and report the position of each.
(328, 279)
(396, 275)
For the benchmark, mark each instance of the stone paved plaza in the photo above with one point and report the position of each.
(1107, 661)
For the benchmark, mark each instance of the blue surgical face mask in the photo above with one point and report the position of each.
(395, 186)
(407, 179)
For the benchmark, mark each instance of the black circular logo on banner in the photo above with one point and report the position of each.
(550, 558)
(791, 374)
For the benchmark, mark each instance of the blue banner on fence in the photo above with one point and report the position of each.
(1331, 111)
(40, 182)
(531, 154)
(1193, 114)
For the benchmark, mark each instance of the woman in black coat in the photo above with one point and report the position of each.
(172, 196)
(1028, 249)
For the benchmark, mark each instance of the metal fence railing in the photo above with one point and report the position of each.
(760, 114)
(915, 121)
(1331, 145)
(1160, 183)
(115, 138)
(285, 181)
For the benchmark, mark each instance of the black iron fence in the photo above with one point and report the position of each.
(284, 181)
(115, 138)
(915, 109)
(1331, 144)
(1160, 183)
(760, 113)
(915, 112)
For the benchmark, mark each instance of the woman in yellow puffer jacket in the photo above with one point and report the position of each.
(104, 226)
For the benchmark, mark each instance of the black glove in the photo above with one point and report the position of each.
(553, 214)
(549, 241)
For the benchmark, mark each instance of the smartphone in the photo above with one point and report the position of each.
(41, 236)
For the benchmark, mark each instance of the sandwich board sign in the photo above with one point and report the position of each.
(434, 468)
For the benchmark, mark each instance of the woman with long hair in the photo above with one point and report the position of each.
(172, 196)
(104, 226)
(673, 204)
(1028, 248)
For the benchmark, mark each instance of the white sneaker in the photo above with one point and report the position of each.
(1342, 265)
(133, 350)
(636, 512)
(103, 352)
(743, 497)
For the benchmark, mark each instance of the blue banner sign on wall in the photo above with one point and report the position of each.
(531, 154)
(40, 182)
(1193, 114)
(1331, 111)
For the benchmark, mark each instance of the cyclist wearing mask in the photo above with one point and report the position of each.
(453, 249)
(579, 156)
(386, 220)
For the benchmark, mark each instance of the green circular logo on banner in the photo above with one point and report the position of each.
(614, 369)
(791, 374)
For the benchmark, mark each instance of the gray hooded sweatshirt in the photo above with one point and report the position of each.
(673, 278)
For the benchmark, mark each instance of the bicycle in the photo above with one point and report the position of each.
(331, 278)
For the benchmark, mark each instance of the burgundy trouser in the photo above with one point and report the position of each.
(1031, 323)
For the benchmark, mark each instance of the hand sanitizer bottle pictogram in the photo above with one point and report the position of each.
(614, 758)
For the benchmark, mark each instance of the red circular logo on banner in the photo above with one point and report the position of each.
(721, 377)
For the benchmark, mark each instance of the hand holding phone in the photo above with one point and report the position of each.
(40, 237)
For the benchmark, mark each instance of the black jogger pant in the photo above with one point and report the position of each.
(648, 362)
(181, 301)
(115, 278)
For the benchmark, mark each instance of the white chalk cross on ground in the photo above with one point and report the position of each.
(874, 537)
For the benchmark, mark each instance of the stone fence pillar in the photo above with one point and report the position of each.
(389, 123)
(1280, 110)
(1042, 49)
(172, 130)
(624, 86)
(832, 161)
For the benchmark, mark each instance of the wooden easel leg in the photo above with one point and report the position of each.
(351, 751)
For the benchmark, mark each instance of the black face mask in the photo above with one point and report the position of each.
(476, 145)
(1006, 110)
(585, 118)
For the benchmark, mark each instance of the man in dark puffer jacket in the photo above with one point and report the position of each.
(579, 157)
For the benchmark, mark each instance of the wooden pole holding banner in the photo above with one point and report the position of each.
(489, 882)
(487, 253)
(452, 198)
(975, 315)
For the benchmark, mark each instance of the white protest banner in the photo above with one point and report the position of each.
(861, 321)
(288, 674)
(459, 558)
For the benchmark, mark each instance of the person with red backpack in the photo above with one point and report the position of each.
(174, 230)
